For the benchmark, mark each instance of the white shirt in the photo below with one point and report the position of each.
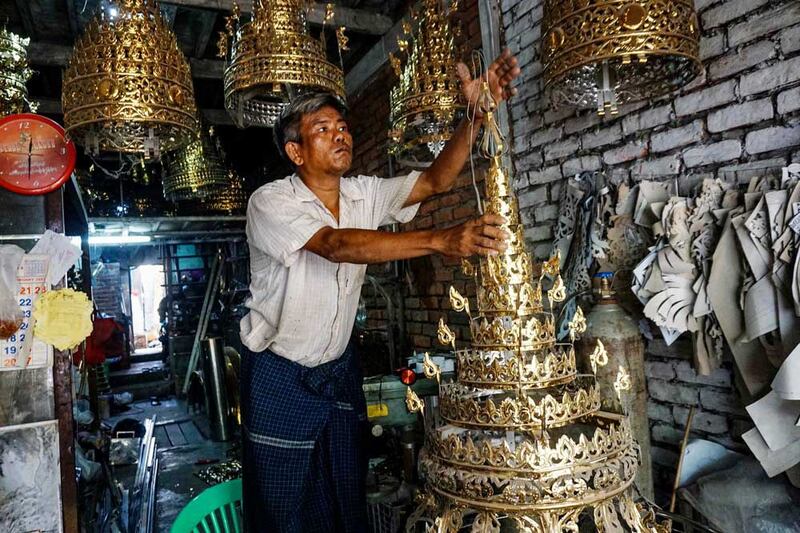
(303, 306)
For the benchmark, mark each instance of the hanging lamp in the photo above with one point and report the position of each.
(271, 59)
(426, 101)
(195, 171)
(128, 87)
(14, 72)
(601, 54)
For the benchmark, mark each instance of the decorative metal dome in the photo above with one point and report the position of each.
(14, 72)
(128, 87)
(272, 59)
(604, 53)
(195, 171)
(426, 102)
(520, 435)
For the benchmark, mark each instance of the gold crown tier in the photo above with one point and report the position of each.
(575, 466)
(532, 409)
(14, 73)
(521, 299)
(128, 87)
(273, 58)
(532, 332)
(195, 171)
(633, 50)
(426, 102)
(507, 369)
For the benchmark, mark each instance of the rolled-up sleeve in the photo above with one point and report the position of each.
(389, 195)
(277, 225)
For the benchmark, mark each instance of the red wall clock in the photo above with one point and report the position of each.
(35, 156)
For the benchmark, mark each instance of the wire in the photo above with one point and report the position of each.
(477, 61)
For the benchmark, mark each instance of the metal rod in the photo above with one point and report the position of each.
(680, 459)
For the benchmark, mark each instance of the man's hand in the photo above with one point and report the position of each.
(480, 236)
(499, 75)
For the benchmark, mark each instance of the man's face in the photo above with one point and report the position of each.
(325, 146)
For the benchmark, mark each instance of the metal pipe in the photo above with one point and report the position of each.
(216, 392)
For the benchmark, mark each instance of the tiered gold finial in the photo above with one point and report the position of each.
(196, 171)
(522, 437)
(426, 101)
(14, 72)
(273, 59)
(128, 87)
(603, 54)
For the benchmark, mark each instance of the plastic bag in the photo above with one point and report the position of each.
(10, 313)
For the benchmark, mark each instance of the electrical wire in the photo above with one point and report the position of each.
(477, 61)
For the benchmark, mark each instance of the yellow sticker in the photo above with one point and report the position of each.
(377, 410)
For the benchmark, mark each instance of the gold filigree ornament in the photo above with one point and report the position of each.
(414, 403)
(426, 102)
(458, 302)
(622, 382)
(128, 87)
(603, 54)
(431, 369)
(552, 267)
(577, 325)
(598, 357)
(558, 292)
(467, 268)
(271, 59)
(520, 435)
(14, 72)
(446, 335)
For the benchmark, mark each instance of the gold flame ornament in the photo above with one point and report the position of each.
(577, 325)
(558, 292)
(15, 73)
(271, 59)
(426, 102)
(599, 356)
(622, 383)
(467, 268)
(128, 87)
(446, 335)
(552, 266)
(414, 403)
(458, 302)
(607, 53)
(431, 369)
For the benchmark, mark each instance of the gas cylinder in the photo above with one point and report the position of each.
(620, 335)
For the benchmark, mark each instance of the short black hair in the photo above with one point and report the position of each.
(287, 128)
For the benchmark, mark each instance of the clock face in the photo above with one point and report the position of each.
(35, 157)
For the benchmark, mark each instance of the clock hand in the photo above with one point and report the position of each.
(30, 149)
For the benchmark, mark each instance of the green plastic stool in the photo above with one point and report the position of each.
(217, 509)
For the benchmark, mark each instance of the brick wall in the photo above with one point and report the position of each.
(741, 114)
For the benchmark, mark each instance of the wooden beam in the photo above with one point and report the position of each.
(57, 55)
(169, 11)
(204, 32)
(52, 106)
(373, 60)
(72, 16)
(357, 20)
(24, 10)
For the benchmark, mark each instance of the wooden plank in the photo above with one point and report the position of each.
(176, 437)
(373, 60)
(356, 20)
(192, 434)
(168, 11)
(161, 437)
(25, 16)
(72, 17)
(204, 33)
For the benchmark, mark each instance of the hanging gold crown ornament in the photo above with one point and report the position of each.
(521, 436)
(196, 171)
(271, 59)
(127, 87)
(14, 72)
(605, 53)
(426, 102)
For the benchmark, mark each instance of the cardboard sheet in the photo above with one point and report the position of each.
(775, 419)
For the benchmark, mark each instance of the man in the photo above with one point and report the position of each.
(311, 236)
